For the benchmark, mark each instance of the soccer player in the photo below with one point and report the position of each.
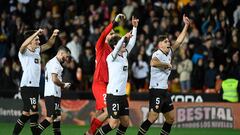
(117, 104)
(159, 98)
(52, 90)
(29, 56)
(100, 79)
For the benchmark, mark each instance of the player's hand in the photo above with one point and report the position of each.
(55, 32)
(135, 21)
(119, 17)
(128, 35)
(186, 20)
(169, 66)
(67, 85)
(40, 31)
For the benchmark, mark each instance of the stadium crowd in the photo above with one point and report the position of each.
(209, 54)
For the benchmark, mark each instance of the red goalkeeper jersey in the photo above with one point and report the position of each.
(102, 51)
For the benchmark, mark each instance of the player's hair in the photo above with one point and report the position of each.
(114, 40)
(161, 38)
(64, 48)
(28, 33)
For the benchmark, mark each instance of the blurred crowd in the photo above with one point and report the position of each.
(209, 54)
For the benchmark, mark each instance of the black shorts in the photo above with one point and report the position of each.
(160, 101)
(53, 106)
(117, 106)
(30, 97)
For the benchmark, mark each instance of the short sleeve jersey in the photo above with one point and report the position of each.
(30, 62)
(159, 76)
(52, 67)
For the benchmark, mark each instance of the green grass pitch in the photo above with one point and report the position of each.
(6, 129)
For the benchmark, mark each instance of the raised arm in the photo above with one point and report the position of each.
(107, 30)
(132, 40)
(101, 39)
(50, 42)
(28, 41)
(117, 48)
(182, 34)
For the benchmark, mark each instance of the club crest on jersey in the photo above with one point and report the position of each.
(36, 61)
(115, 113)
(157, 106)
(125, 68)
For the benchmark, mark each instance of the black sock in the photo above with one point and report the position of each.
(34, 123)
(104, 130)
(166, 129)
(43, 125)
(121, 130)
(144, 127)
(56, 128)
(20, 123)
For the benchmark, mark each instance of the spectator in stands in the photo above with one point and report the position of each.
(16, 72)
(63, 38)
(236, 15)
(185, 69)
(87, 65)
(198, 76)
(94, 31)
(211, 24)
(7, 87)
(219, 48)
(208, 46)
(234, 65)
(220, 76)
(194, 43)
(210, 77)
(3, 44)
(69, 73)
(235, 40)
(129, 8)
(140, 71)
(75, 47)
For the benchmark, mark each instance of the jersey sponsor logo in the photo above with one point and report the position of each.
(36, 60)
(125, 68)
